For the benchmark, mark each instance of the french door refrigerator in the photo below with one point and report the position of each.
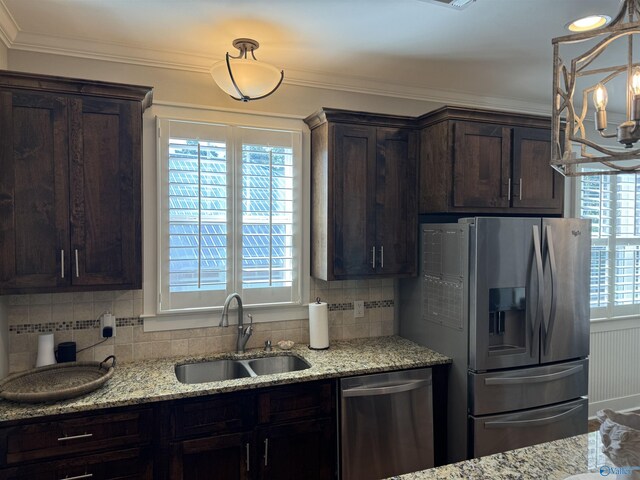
(508, 300)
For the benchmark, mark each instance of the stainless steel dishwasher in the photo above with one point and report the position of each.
(386, 424)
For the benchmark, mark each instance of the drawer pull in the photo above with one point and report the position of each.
(75, 437)
(266, 452)
(248, 462)
(78, 477)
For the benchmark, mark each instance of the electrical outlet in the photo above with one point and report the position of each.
(107, 320)
(358, 308)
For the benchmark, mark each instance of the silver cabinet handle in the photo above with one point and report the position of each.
(373, 259)
(77, 268)
(509, 191)
(75, 437)
(266, 451)
(248, 463)
(78, 477)
(62, 263)
(370, 392)
(382, 256)
(520, 194)
(549, 377)
(532, 422)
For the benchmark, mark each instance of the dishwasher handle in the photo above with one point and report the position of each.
(386, 390)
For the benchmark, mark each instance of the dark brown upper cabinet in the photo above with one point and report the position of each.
(479, 161)
(363, 195)
(70, 192)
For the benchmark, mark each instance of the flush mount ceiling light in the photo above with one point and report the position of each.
(591, 22)
(243, 77)
(607, 69)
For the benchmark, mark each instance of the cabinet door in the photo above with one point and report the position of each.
(396, 201)
(34, 199)
(354, 201)
(482, 154)
(224, 456)
(297, 450)
(536, 184)
(105, 192)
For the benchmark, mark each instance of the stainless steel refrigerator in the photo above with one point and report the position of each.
(508, 300)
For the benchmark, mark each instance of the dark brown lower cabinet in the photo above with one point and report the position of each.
(131, 464)
(297, 450)
(285, 432)
(222, 456)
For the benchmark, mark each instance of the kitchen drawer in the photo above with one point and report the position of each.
(499, 433)
(223, 413)
(509, 390)
(36, 441)
(297, 402)
(135, 463)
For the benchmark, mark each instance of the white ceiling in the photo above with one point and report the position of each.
(494, 50)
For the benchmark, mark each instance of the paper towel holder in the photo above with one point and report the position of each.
(318, 328)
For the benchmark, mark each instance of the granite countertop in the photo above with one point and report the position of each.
(154, 380)
(555, 460)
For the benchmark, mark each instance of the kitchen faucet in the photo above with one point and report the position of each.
(243, 337)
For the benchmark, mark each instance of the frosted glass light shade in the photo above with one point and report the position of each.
(254, 78)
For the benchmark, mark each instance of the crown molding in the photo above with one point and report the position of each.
(189, 62)
(8, 27)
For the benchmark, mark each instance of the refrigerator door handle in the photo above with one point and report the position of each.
(533, 422)
(537, 258)
(534, 378)
(554, 288)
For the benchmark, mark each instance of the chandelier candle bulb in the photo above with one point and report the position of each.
(318, 325)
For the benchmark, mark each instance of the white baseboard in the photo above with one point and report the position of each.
(621, 404)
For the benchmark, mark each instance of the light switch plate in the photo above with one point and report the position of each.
(358, 308)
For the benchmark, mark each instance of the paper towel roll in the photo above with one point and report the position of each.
(318, 326)
(45, 350)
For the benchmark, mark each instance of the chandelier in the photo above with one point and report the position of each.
(584, 141)
(243, 77)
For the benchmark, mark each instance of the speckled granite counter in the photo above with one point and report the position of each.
(154, 380)
(548, 461)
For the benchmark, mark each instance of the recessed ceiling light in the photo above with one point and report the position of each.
(591, 22)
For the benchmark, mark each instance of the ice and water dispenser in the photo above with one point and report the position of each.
(507, 320)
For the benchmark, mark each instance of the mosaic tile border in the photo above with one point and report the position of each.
(47, 327)
(333, 307)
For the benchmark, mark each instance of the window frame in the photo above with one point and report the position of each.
(154, 317)
(610, 311)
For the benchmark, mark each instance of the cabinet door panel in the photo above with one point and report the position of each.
(536, 184)
(225, 457)
(482, 154)
(396, 202)
(34, 200)
(297, 450)
(354, 176)
(105, 192)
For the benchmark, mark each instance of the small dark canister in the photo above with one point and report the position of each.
(66, 352)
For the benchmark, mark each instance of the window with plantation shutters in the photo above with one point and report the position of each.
(612, 202)
(228, 215)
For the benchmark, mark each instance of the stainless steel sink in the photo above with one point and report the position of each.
(213, 371)
(282, 364)
(226, 369)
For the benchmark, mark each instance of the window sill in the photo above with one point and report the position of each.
(211, 317)
(615, 323)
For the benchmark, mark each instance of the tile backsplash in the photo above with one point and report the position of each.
(74, 317)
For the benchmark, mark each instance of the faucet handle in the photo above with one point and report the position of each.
(267, 346)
